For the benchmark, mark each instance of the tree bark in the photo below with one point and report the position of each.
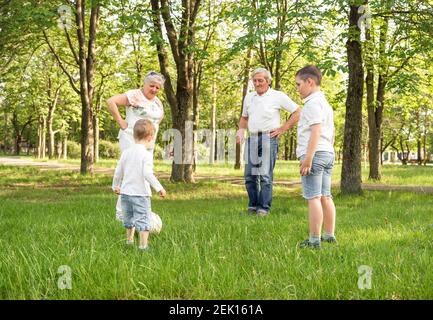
(87, 68)
(181, 101)
(351, 170)
(246, 79)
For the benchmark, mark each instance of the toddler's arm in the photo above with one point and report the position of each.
(150, 177)
(118, 176)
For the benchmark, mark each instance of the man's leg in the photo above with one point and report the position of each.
(269, 153)
(251, 178)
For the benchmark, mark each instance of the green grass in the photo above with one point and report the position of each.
(207, 249)
(411, 175)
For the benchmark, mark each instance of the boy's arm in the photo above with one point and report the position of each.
(118, 175)
(305, 166)
(150, 177)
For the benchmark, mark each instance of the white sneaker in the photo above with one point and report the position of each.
(129, 242)
(146, 247)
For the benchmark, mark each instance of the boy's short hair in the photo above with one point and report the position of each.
(143, 128)
(311, 72)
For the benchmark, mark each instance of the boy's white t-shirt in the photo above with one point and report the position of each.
(134, 172)
(316, 110)
(263, 111)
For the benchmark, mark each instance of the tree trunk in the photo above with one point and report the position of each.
(5, 133)
(65, 147)
(96, 133)
(87, 68)
(213, 124)
(41, 137)
(351, 170)
(181, 102)
(246, 79)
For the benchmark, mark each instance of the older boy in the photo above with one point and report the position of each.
(132, 180)
(315, 151)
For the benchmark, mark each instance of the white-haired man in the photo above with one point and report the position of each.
(261, 115)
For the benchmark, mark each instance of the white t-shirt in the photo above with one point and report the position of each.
(134, 172)
(263, 111)
(316, 110)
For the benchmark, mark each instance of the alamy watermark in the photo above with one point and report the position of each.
(219, 146)
(65, 17)
(65, 280)
(365, 276)
(365, 18)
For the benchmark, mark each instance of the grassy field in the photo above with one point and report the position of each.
(411, 175)
(207, 248)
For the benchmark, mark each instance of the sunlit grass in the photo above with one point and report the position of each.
(207, 249)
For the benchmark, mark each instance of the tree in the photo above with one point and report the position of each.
(180, 98)
(351, 170)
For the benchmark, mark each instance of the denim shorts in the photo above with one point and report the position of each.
(318, 182)
(136, 212)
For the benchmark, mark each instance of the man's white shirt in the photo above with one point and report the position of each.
(263, 112)
(134, 172)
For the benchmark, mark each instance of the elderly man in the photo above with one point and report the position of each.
(261, 114)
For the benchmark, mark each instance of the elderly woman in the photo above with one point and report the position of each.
(140, 104)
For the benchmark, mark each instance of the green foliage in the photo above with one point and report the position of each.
(74, 150)
(109, 150)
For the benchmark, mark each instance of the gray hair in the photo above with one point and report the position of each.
(154, 76)
(267, 74)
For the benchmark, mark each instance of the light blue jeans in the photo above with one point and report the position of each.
(318, 182)
(136, 210)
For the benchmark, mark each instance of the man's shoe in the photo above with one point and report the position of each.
(250, 210)
(262, 213)
(308, 244)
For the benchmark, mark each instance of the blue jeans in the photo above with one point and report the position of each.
(136, 212)
(260, 156)
(318, 182)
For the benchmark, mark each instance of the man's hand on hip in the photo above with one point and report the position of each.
(277, 132)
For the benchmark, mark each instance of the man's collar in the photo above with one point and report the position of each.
(265, 94)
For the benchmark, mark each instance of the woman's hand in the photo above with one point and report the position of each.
(123, 124)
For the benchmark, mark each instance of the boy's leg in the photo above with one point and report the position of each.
(312, 192)
(144, 235)
(328, 215)
(327, 201)
(128, 215)
(130, 235)
(315, 217)
(142, 219)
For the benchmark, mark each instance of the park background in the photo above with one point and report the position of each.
(61, 60)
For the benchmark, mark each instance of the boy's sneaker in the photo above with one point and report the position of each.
(308, 244)
(330, 239)
(143, 248)
(129, 242)
(262, 213)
